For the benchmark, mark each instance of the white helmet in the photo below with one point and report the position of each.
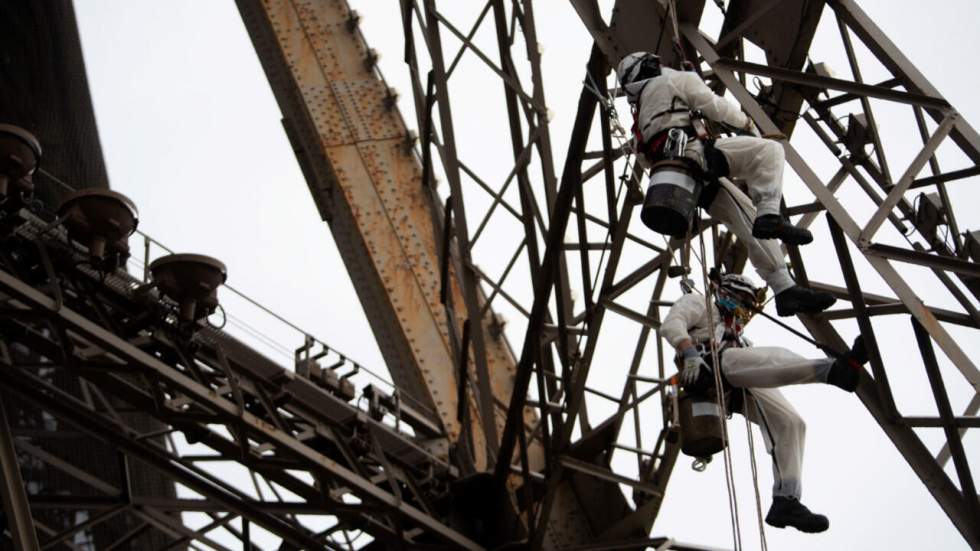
(636, 67)
(740, 296)
(738, 283)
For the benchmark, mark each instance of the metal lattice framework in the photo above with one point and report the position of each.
(793, 90)
(432, 270)
(121, 349)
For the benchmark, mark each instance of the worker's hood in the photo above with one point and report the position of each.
(633, 89)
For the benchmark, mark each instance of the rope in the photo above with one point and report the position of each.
(755, 475)
(672, 8)
(702, 258)
(618, 134)
(720, 396)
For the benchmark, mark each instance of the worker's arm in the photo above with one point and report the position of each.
(698, 96)
(684, 314)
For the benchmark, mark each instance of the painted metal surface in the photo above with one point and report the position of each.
(372, 195)
(414, 274)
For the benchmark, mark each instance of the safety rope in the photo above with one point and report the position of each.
(748, 428)
(672, 8)
(755, 473)
(720, 398)
(619, 133)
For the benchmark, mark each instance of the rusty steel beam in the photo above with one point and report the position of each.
(353, 147)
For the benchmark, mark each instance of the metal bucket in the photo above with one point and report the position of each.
(700, 419)
(671, 198)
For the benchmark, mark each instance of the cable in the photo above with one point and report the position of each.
(678, 47)
(720, 396)
(224, 319)
(828, 350)
(55, 179)
(268, 341)
(755, 473)
(663, 28)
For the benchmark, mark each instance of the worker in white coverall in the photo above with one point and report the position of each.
(755, 373)
(664, 99)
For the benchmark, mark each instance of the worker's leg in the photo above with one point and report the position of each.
(734, 209)
(784, 433)
(760, 163)
(772, 366)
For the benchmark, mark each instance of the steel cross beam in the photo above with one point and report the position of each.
(222, 388)
(810, 87)
(840, 214)
(15, 502)
(550, 360)
(537, 355)
(521, 108)
(461, 232)
(876, 255)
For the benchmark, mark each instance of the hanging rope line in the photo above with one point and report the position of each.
(685, 64)
(720, 400)
(626, 146)
(755, 474)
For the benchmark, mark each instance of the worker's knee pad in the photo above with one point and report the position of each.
(716, 161)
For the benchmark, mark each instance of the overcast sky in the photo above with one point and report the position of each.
(191, 133)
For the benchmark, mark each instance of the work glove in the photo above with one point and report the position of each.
(749, 127)
(693, 362)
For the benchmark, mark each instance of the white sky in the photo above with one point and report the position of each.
(191, 133)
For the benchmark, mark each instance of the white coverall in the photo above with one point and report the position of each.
(757, 161)
(758, 370)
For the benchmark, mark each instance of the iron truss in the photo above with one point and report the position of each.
(578, 232)
(89, 348)
(339, 461)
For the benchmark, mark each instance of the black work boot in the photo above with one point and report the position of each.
(801, 300)
(788, 511)
(845, 372)
(774, 226)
